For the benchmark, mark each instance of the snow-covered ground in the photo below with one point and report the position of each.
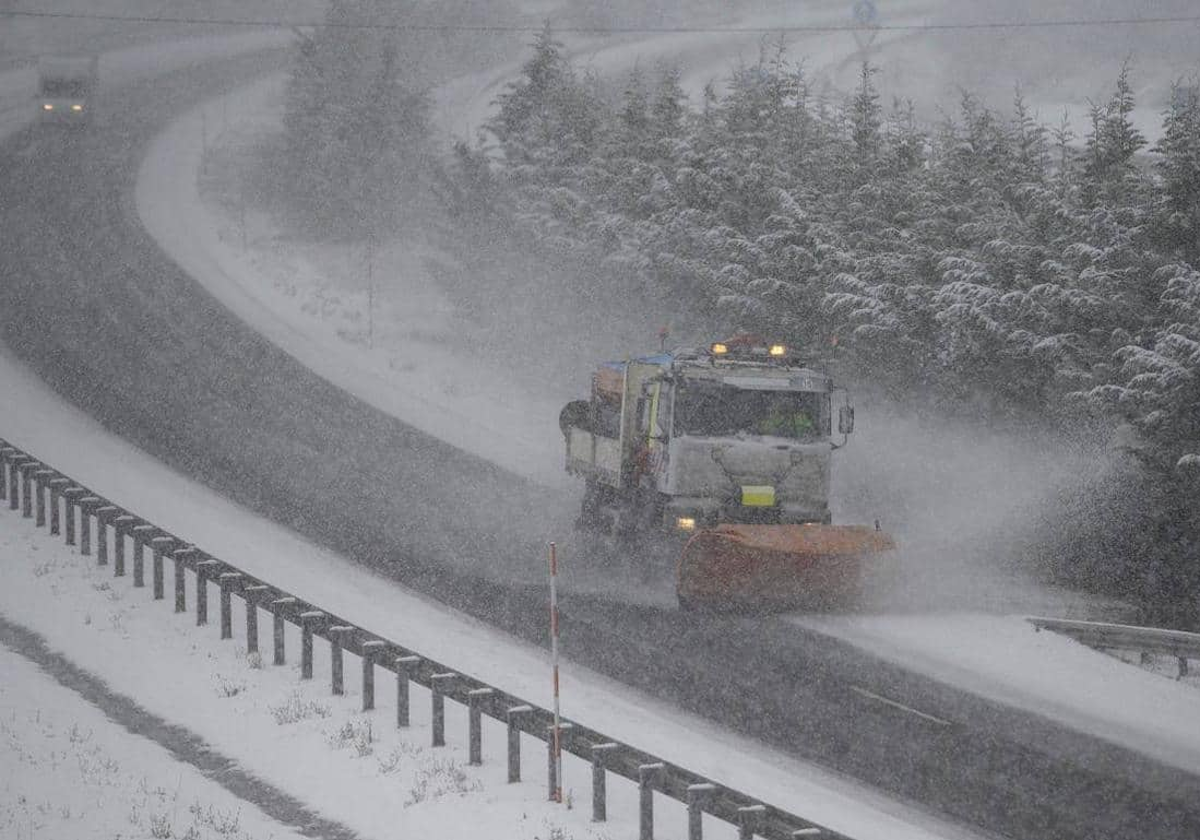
(351, 767)
(126, 633)
(70, 771)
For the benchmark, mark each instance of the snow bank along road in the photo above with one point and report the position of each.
(101, 314)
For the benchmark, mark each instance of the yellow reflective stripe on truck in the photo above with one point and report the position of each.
(758, 495)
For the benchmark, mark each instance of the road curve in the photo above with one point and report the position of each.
(89, 301)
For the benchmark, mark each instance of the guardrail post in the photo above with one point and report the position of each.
(251, 595)
(102, 516)
(157, 546)
(40, 479)
(202, 570)
(71, 496)
(14, 469)
(181, 583)
(27, 470)
(697, 797)
(600, 753)
(277, 608)
(552, 759)
(85, 524)
(56, 487)
(514, 741)
(120, 529)
(406, 666)
(648, 777)
(10, 457)
(140, 535)
(5, 453)
(749, 819)
(1183, 666)
(336, 667)
(369, 651)
(437, 686)
(227, 581)
(475, 698)
(307, 620)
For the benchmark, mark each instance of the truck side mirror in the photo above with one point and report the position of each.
(845, 420)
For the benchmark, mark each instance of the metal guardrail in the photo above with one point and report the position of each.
(43, 493)
(1146, 640)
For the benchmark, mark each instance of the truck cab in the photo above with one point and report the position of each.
(738, 432)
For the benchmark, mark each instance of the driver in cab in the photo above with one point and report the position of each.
(786, 419)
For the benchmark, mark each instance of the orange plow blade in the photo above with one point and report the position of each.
(773, 566)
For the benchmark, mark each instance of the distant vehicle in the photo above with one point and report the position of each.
(67, 88)
(728, 449)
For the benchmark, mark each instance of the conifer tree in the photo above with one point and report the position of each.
(1111, 144)
(866, 119)
(1178, 166)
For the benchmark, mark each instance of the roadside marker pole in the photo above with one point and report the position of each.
(557, 796)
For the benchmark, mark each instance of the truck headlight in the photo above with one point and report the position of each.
(685, 523)
(47, 106)
(77, 107)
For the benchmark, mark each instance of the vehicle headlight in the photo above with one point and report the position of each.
(685, 523)
(47, 106)
(77, 107)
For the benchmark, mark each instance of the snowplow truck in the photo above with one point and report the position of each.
(727, 450)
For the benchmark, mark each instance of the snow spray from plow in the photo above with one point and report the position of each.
(54, 499)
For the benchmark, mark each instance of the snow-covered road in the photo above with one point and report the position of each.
(122, 66)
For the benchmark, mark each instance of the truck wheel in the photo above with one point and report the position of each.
(591, 511)
(577, 413)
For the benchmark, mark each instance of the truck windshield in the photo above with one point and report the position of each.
(65, 88)
(712, 409)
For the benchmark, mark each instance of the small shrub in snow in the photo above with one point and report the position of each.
(391, 764)
(254, 661)
(354, 733)
(160, 827)
(229, 688)
(296, 709)
(554, 832)
(225, 823)
(43, 569)
(442, 777)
